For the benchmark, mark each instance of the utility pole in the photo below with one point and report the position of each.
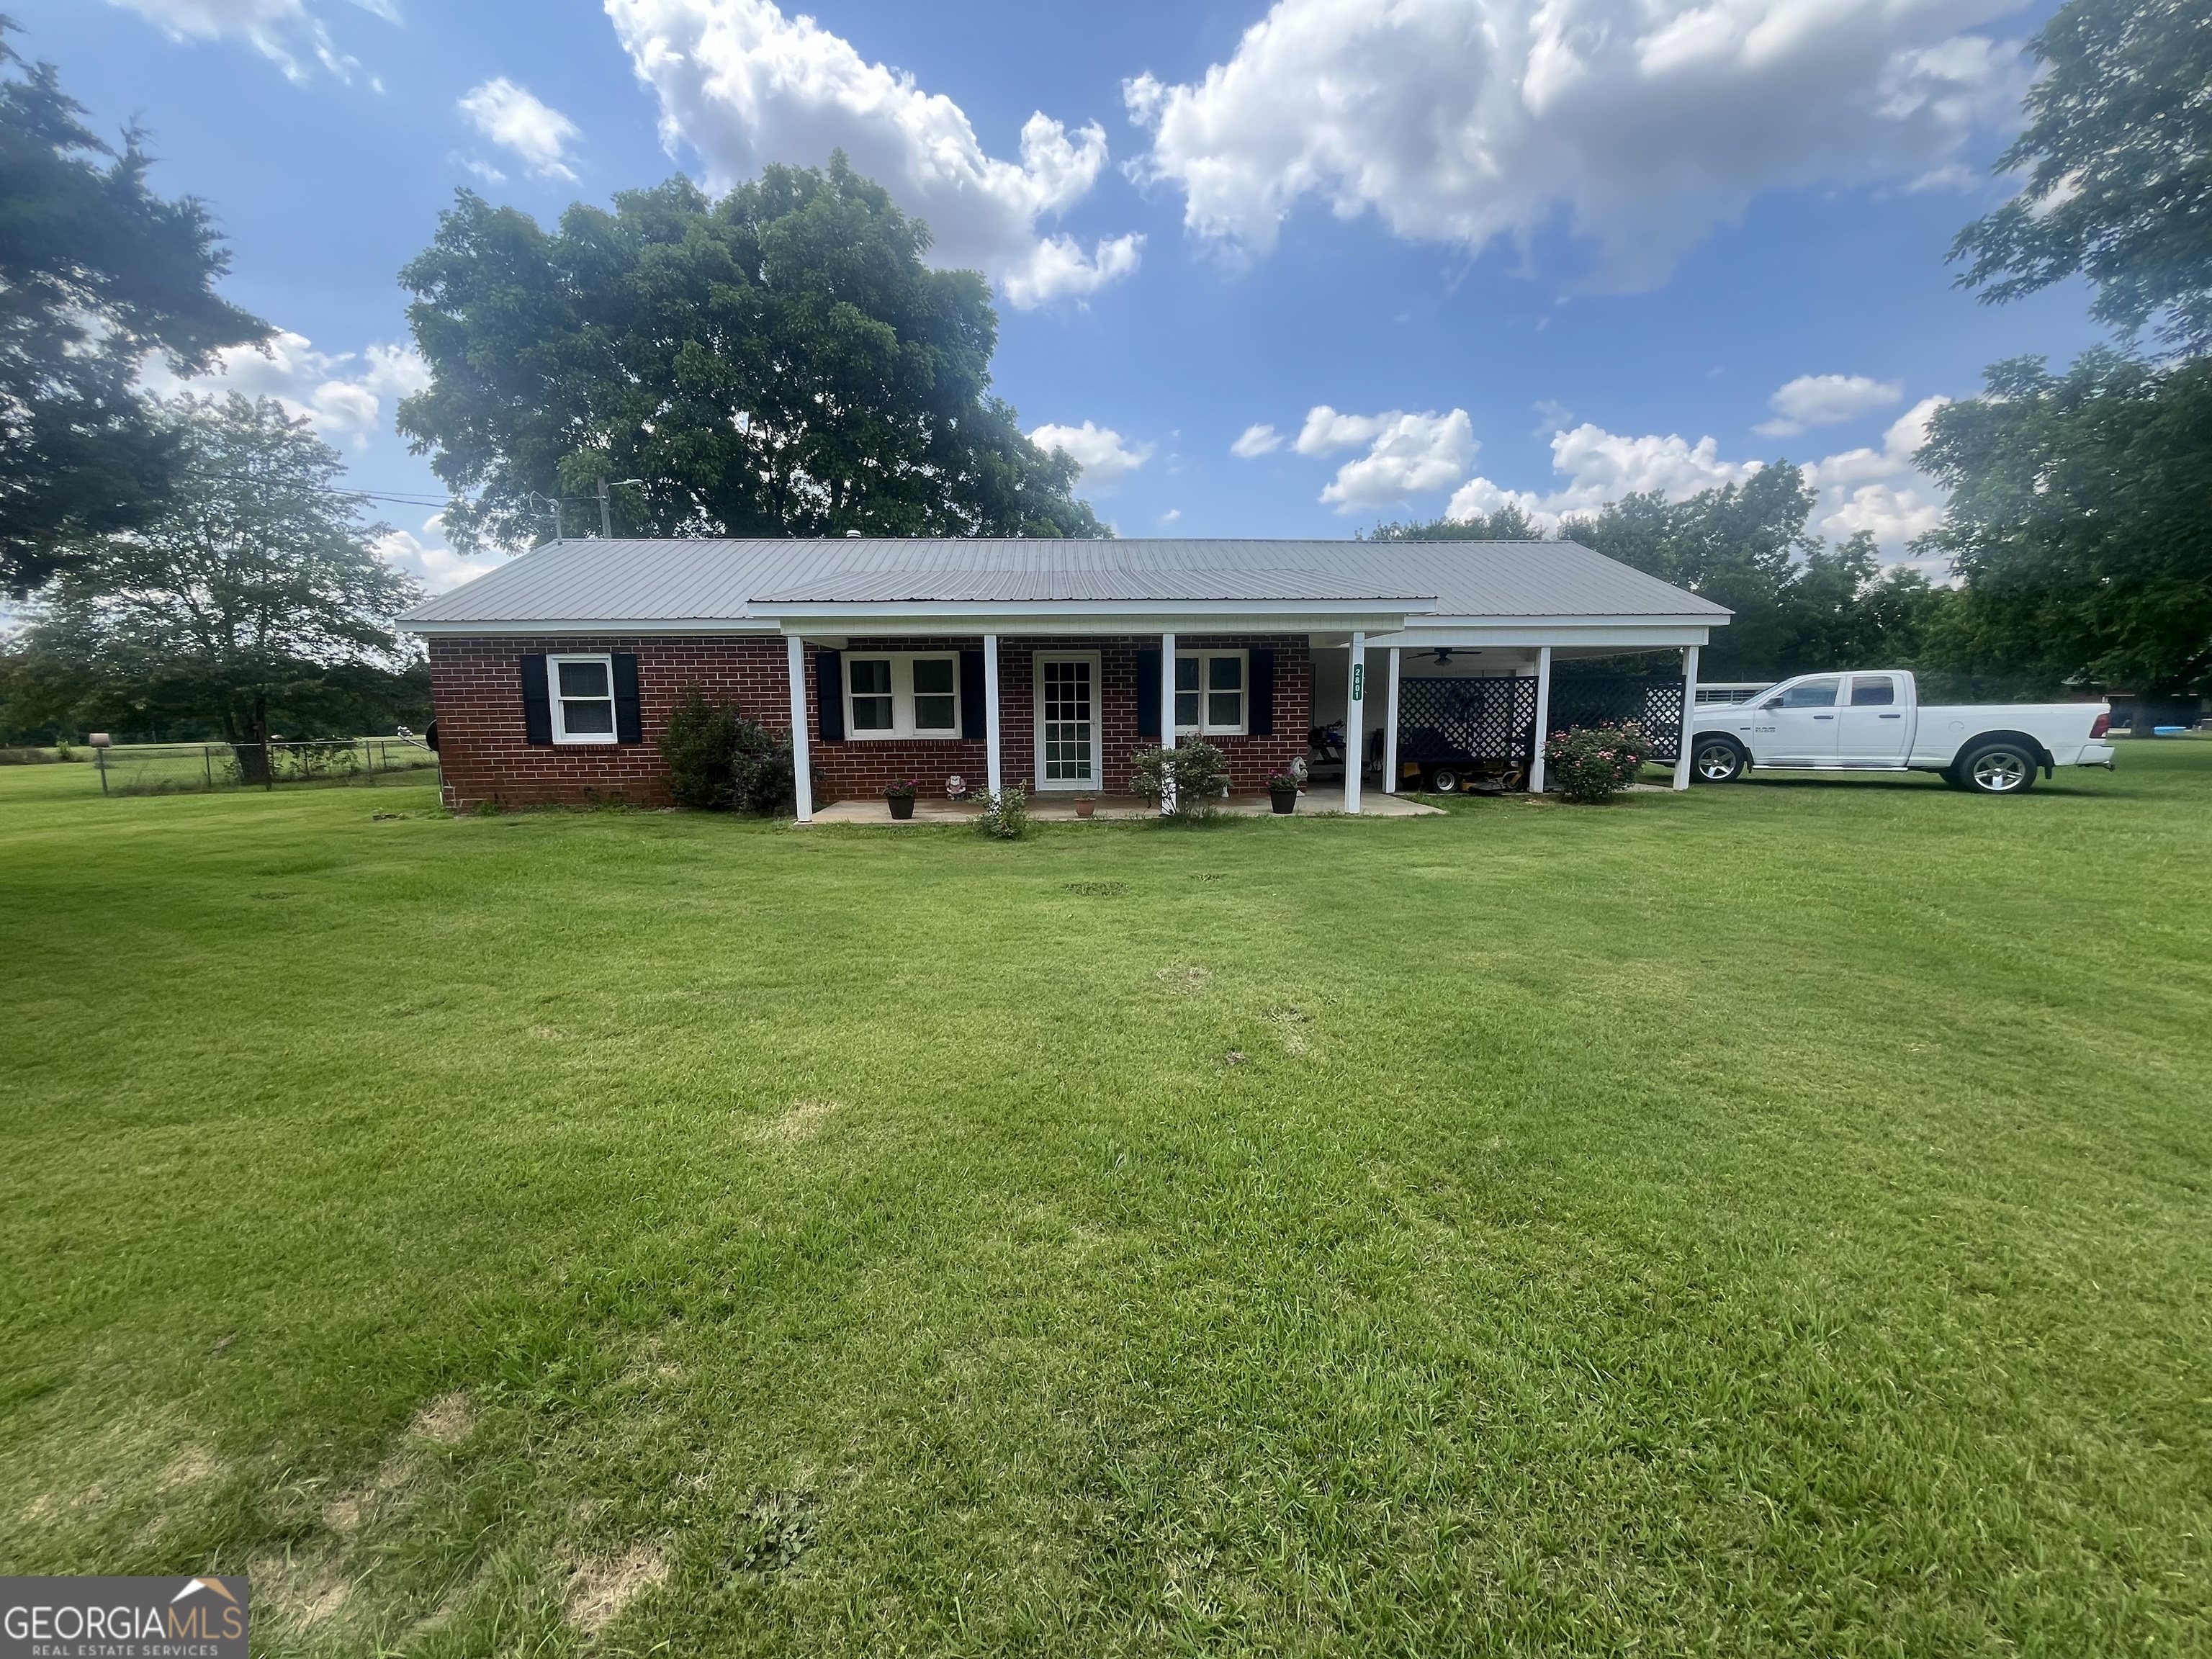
(606, 519)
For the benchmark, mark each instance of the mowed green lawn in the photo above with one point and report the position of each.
(1772, 1220)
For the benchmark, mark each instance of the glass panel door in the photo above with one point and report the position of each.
(1067, 723)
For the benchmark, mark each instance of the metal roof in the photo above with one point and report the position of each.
(599, 582)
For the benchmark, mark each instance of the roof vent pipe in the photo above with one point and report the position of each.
(854, 534)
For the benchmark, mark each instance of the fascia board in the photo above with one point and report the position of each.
(595, 627)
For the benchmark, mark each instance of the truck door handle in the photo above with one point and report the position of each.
(1893, 717)
(1824, 717)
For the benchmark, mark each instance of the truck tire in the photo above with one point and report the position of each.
(1444, 781)
(2002, 768)
(1718, 760)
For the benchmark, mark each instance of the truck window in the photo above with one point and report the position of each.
(1813, 694)
(1873, 690)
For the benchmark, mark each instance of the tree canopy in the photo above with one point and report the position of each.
(779, 362)
(255, 595)
(2118, 150)
(96, 272)
(1799, 605)
(2080, 517)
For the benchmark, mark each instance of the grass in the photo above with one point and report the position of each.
(1768, 1220)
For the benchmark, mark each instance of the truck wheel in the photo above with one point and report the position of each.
(1998, 769)
(1716, 760)
(1444, 780)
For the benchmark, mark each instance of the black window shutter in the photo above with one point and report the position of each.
(536, 703)
(1260, 721)
(1148, 695)
(971, 695)
(630, 722)
(829, 693)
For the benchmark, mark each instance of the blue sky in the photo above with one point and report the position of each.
(1443, 253)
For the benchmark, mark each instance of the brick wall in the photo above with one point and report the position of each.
(476, 686)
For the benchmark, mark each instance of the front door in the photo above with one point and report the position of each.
(1871, 729)
(1801, 722)
(1067, 721)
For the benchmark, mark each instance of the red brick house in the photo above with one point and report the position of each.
(1048, 662)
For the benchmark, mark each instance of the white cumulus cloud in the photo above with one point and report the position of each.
(427, 559)
(1098, 450)
(1644, 123)
(286, 31)
(1255, 441)
(1823, 399)
(1407, 454)
(342, 392)
(1873, 489)
(743, 85)
(516, 120)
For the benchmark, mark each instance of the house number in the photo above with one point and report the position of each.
(1358, 681)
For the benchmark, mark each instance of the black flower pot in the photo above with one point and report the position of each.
(1284, 800)
(902, 807)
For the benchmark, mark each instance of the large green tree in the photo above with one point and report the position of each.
(256, 595)
(779, 362)
(2118, 155)
(2080, 517)
(96, 272)
(2080, 513)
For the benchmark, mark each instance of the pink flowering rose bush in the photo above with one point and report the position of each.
(1596, 762)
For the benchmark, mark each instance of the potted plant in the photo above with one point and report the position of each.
(1085, 806)
(900, 796)
(1282, 791)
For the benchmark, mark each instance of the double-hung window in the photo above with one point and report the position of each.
(1210, 692)
(903, 694)
(583, 698)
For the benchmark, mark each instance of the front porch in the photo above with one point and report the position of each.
(1319, 801)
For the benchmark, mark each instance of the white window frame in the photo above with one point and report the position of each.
(560, 731)
(903, 726)
(1097, 778)
(1206, 728)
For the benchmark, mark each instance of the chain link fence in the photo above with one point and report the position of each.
(196, 769)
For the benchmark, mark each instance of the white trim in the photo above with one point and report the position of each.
(1206, 727)
(1624, 633)
(1689, 716)
(1097, 778)
(1167, 713)
(1355, 721)
(561, 734)
(902, 728)
(801, 777)
(1543, 718)
(1390, 732)
(588, 627)
(994, 773)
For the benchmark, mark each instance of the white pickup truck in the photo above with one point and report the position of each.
(1876, 722)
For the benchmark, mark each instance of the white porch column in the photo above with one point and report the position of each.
(1543, 717)
(1390, 732)
(1689, 715)
(802, 784)
(1355, 721)
(994, 773)
(1167, 711)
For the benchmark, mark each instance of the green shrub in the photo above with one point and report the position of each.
(761, 773)
(1006, 818)
(1596, 762)
(700, 743)
(1198, 773)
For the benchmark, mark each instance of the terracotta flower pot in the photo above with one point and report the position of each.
(1283, 800)
(902, 807)
(1083, 809)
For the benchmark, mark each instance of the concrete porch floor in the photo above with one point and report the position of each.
(1060, 809)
